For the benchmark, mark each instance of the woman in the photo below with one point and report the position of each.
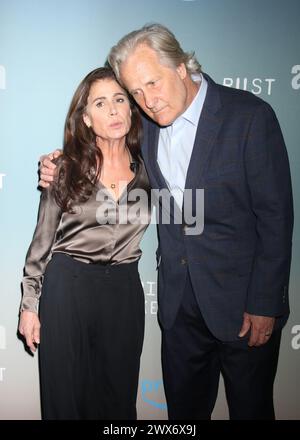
(92, 305)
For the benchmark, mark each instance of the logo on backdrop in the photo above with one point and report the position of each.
(2, 347)
(259, 86)
(296, 79)
(2, 338)
(2, 369)
(255, 85)
(2, 78)
(1, 180)
(151, 393)
(150, 291)
(296, 339)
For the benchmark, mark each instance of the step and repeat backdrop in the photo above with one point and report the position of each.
(46, 48)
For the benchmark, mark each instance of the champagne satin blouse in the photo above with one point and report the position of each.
(101, 231)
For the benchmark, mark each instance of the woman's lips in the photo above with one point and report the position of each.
(116, 125)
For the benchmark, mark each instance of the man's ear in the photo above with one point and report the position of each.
(181, 70)
(86, 120)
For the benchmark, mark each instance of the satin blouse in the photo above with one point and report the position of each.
(102, 230)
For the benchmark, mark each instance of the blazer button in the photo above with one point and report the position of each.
(183, 261)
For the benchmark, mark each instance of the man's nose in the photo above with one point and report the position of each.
(149, 100)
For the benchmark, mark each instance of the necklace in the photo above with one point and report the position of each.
(113, 185)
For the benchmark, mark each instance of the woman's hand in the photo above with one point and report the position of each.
(29, 327)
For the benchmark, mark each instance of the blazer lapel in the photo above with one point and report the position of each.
(208, 127)
(152, 144)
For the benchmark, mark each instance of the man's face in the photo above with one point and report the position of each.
(159, 90)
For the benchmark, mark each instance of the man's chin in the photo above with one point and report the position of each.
(161, 119)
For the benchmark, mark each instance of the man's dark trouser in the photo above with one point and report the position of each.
(193, 359)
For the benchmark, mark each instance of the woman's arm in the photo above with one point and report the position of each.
(36, 261)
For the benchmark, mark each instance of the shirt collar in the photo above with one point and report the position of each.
(192, 113)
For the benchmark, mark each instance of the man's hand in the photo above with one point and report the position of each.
(261, 329)
(47, 168)
(29, 327)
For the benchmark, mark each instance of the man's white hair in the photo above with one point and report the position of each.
(158, 38)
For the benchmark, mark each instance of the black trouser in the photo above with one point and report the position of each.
(193, 360)
(92, 329)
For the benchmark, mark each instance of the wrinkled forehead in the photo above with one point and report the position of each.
(141, 66)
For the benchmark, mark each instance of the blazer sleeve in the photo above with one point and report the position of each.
(269, 181)
(39, 251)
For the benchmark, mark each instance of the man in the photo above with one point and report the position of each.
(223, 294)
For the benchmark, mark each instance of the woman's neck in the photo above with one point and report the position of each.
(114, 151)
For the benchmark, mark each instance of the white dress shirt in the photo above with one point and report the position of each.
(176, 144)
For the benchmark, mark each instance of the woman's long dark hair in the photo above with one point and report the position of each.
(80, 165)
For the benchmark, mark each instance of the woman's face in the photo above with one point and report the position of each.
(108, 110)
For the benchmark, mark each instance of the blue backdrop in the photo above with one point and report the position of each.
(46, 47)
